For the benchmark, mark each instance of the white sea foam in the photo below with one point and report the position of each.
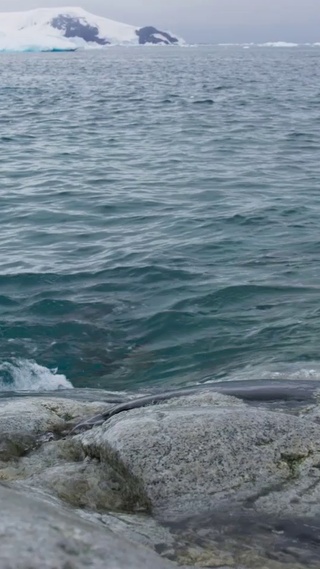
(25, 375)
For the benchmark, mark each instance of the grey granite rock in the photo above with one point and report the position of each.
(38, 534)
(27, 422)
(209, 449)
(137, 528)
(222, 475)
(288, 397)
(61, 468)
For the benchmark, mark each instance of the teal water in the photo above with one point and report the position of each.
(159, 219)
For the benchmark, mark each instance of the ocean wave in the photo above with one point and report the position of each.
(277, 371)
(25, 375)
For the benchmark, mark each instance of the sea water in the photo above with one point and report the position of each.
(159, 217)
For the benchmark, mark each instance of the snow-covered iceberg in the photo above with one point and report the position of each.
(68, 29)
(27, 41)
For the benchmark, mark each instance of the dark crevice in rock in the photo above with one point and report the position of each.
(245, 539)
(310, 488)
(132, 490)
(294, 461)
(277, 487)
(17, 446)
(252, 392)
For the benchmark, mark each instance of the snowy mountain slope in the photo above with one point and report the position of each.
(53, 29)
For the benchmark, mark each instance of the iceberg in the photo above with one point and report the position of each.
(26, 41)
(267, 44)
(68, 29)
(278, 44)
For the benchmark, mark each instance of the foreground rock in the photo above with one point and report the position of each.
(204, 479)
(27, 423)
(39, 534)
(203, 451)
(33, 449)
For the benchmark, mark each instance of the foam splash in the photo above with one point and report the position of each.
(25, 375)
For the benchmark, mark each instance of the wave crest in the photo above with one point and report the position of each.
(25, 375)
(276, 371)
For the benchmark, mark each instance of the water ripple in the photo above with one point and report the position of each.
(159, 215)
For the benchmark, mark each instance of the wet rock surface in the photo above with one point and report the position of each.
(205, 479)
(238, 538)
(203, 450)
(26, 423)
(39, 534)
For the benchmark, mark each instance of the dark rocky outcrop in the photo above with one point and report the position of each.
(75, 28)
(149, 34)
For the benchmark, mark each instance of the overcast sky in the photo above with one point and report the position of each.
(206, 20)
